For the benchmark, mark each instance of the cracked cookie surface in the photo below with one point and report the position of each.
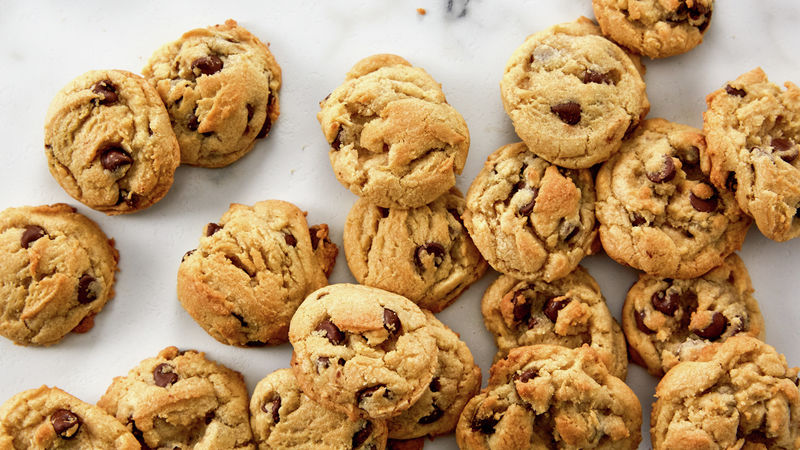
(657, 209)
(667, 321)
(109, 143)
(569, 312)
(753, 131)
(424, 254)
(572, 94)
(181, 400)
(252, 270)
(656, 28)
(393, 137)
(551, 397)
(742, 395)
(220, 85)
(362, 351)
(57, 273)
(529, 218)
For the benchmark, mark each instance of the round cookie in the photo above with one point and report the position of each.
(220, 85)
(362, 351)
(742, 396)
(547, 396)
(180, 399)
(57, 273)
(657, 209)
(655, 28)
(251, 270)
(394, 138)
(667, 321)
(569, 312)
(109, 142)
(572, 94)
(753, 131)
(456, 380)
(282, 417)
(423, 253)
(531, 219)
(50, 418)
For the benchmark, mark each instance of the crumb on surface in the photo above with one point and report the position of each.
(421, 11)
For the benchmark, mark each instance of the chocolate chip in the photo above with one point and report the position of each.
(734, 91)
(290, 239)
(703, 205)
(337, 141)
(527, 375)
(113, 158)
(590, 76)
(702, 27)
(688, 306)
(255, 344)
(665, 173)
(208, 65)
(433, 248)
(314, 234)
(568, 231)
(164, 375)
(435, 415)
(527, 208)
(391, 322)
(241, 320)
(568, 112)
(553, 306)
(715, 328)
(638, 220)
(107, 90)
(784, 149)
(212, 228)
(332, 332)
(272, 407)
(435, 385)
(639, 316)
(362, 435)
(631, 128)
(32, 233)
(666, 303)
(368, 391)
(522, 307)
(323, 362)
(188, 254)
(267, 125)
(191, 122)
(730, 182)
(85, 292)
(485, 425)
(384, 212)
(65, 423)
(208, 417)
(129, 198)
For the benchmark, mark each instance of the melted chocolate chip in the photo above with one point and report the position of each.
(188, 254)
(568, 112)
(527, 208)
(730, 182)
(433, 248)
(362, 435)
(332, 332)
(435, 385)
(323, 362)
(384, 212)
(290, 239)
(65, 423)
(553, 306)
(527, 375)
(265, 127)
(113, 158)
(568, 231)
(391, 322)
(590, 76)
(522, 307)
(639, 316)
(191, 122)
(241, 320)
(85, 292)
(715, 329)
(734, 91)
(207, 65)
(784, 149)
(107, 90)
(164, 375)
(368, 391)
(665, 173)
(272, 407)
(666, 303)
(703, 205)
(485, 424)
(212, 228)
(337, 141)
(638, 220)
(435, 415)
(32, 233)
(129, 198)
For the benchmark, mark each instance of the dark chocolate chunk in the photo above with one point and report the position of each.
(484, 424)
(391, 322)
(435, 415)
(784, 149)
(590, 76)
(639, 316)
(107, 90)
(332, 332)
(703, 205)
(433, 248)
(715, 329)
(638, 220)
(522, 307)
(65, 423)
(272, 407)
(290, 239)
(734, 91)
(665, 173)
(188, 254)
(113, 158)
(191, 122)
(212, 228)
(207, 65)
(164, 375)
(32, 233)
(323, 362)
(368, 391)
(666, 303)
(568, 112)
(527, 208)
(435, 385)
(527, 375)
(85, 292)
(553, 306)
(362, 435)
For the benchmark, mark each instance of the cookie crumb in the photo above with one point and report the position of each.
(421, 11)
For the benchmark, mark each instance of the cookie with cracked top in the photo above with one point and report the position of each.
(251, 270)
(529, 218)
(657, 208)
(753, 131)
(423, 253)
(109, 143)
(572, 94)
(220, 85)
(362, 351)
(655, 28)
(393, 137)
(57, 269)
(181, 399)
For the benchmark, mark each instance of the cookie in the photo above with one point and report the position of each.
(744, 396)
(220, 85)
(362, 351)
(569, 312)
(667, 321)
(251, 270)
(281, 416)
(655, 28)
(57, 269)
(547, 396)
(753, 131)
(180, 399)
(109, 143)
(423, 253)
(393, 137)
(50, 418)
(531, 219)
(657, 209)
(456, 380)
(572, 94)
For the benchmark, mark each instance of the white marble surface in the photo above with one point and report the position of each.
(43, 45)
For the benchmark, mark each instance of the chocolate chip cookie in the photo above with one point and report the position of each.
(57, 269)
(569, 312)
(49, 418)
(281, 416)
(220, 85)
(753, 131)
(423, 253)
(180, 399)
(109, 142)
(393, 137)
(362, 351)
(657, 209)
(456, 380)
(529, 218)
(572, 94)
(743, 396)
(547, 396)
(251, 270)
(655, 28)
(667, 321)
